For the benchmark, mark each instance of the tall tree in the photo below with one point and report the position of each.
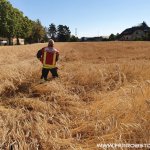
(74, 38)
(27, 29)
(18, 22)
(52, 30)
(45, 38)
(112, 37)
(38, 31)
(14, 24)
(63, 33)
(6, 20)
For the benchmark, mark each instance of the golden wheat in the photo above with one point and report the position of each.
(102, 96)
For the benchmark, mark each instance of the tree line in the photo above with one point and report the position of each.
(61, 33)
(13, 24)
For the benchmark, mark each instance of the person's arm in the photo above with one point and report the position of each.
(57, 56)
(39, 54)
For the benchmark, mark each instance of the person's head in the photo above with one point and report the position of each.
(50, 43)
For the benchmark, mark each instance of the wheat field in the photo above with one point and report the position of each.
(102, 96)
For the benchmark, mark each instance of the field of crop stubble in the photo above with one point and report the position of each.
(102, 96)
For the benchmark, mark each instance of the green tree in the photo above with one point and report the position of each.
(27, 29)
(6, 20)
(45, 38)
(63, 33)
(18, 23)
(38, 32)
(112, 37)
(52, 31)
(34, 31)
(117, 36)
(74, 39)
(12, 22)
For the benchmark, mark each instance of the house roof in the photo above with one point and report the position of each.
(143, 26)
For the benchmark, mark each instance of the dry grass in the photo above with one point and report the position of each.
(102, 96)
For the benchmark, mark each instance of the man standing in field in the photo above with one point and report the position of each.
(48, 56)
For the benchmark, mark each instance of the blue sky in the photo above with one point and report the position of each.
(90, 17)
